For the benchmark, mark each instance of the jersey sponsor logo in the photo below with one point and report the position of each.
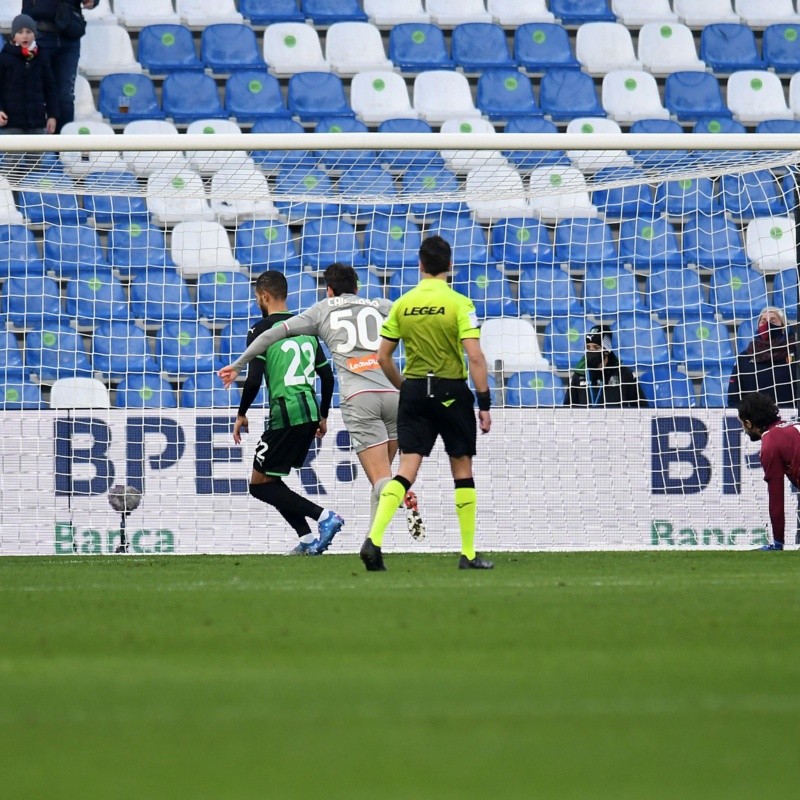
(423, 311)
(363, 363)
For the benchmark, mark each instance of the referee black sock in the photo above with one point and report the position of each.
(288, 503)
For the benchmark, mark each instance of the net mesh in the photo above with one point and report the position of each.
(131, 270)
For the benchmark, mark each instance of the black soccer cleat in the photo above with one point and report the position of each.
(476, 563)
(372, 557)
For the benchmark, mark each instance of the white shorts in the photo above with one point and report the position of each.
(371, 418)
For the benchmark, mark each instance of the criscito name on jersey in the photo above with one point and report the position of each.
(423, 311)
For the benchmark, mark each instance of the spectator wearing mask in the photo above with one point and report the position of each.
(599, 380)
(768, 363)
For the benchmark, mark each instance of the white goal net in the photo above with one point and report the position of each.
(630, 288)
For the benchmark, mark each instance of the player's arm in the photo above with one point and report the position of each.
(386, 361)
(325, 374)
(249, 392)
(773, 475)
(479, 372)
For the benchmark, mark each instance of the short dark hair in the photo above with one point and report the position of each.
(273, 282)
(759, 408)
(435, 255)
(341, 279)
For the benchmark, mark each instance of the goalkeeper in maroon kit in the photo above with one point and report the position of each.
(780, 455)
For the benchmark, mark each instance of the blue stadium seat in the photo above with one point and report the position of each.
(326, 12)
(664, 386)
(118, 207)
(161, 295)
(337, 161)
(609, 291)
(718, 125)
(784, 292)
(564, 343)
(273, 160)
(781, 48)
(27, 301)
(227, 46)
(488, 289)
(265, 12)
(530, 159)
(658, 159)
(167, 48)
(205, 390)
(778, 125)
(56, 351)
(647, 243)
(135, 247)
(46, 197)
(534, 389)
(401, 280)
(694, 95)
(745, 333)
(233, 339)
(225, 296)
(71, 248)
(432, 180)
(119, 349)
(363, 182)
(676, 293)
(369, 284)
(712, 241)
(546, 292)
(251, 94)
(565, 94)
(94, 297)
(139, 92)
(626, 201)
(401, 160)
(715, 387)
(517, 243)
(752, 194)
(391, 241)
(728, 47)
(17, 394)
(638, 341)
(685, 196)
(330, 239)
(183, 348)
(314, 95)
(11, 364)
(416, 47)
(582, 241)
(303, 291)
(702, 345)
(262, 244)
(308, 181)
(467, 238)
(18, 252)
(506, 93)
(476, 46)
(575, 12)
(541, 46)
(187, 96)
(144, 391)
(737, 292)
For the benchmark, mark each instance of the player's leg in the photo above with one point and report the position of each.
(269, 489)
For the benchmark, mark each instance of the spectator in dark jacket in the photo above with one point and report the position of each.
(599, 380)
(768, 364)
(63, 51)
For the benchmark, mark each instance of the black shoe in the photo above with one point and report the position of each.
(372, 557)
(476, 563)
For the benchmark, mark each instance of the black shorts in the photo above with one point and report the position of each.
(450, 413)
(284, 449)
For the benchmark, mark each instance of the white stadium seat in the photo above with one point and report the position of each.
(352, 47)
(389, 12)
(628, 95)
(138, 14)
(635, 13)
(78, 164)
(201, 246)
(756, 95)
(144, 163)
(589, 161)
(9, 213)
(84, 100)
(291, 47)
(101, 14)
(771, 244)
(207, 162)
(761, 13)
(376, 96)
(178, 195)
(513, 13)
(449, 13)
(106, 50)
(70, 393)
(699, 13)
(496, 192)
(464, 161)
(605, 46)
(441, 94)
(559, 193)
(668, 47)
(201, 13)
(240, 192)
(514, 343)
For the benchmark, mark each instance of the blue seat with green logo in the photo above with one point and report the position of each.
(564, 343)
(94, 297)
(71, 248)
(224, 296)
(160, 295)
(565, 94)
(187, 96)
(694, 95)
(711, 241)
(134, 247)
(752, 194)
(702, 345)
(117, 206)
(534, 389)
(337, 161)
(784, 292)
(676, 293)
(398, 161)
(205, 390)
(262, 244)
(314, 95)
(609, 291)
(183, 348)
(780, 48)
(127, 96)
(265, 12)
(418, 46)
(166, 48)
(27, 301)
(639, 341)
(329, 239)
(540, 46)
(649, 242)
(17, 394)
(391, 241)
(728, 47)
(467, 238)
(518, 242)
(11, 365)
(489, 290)
(145, 390)
(49, 197)
(252, 94)
(737, 292)
(18, 252)
(227, 46)
(665, 386)
(506, 93)
(359, 183)
(477, 46)
(121, 348)
(307, 181)
(546, 292)
(685, 196)
(581, 241)
(56, 351)
(433, 181)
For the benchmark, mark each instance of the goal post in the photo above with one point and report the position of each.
(127, 264)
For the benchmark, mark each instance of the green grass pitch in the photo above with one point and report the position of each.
(593, 675)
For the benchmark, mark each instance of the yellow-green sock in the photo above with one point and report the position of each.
(391, 498)
(466, 507)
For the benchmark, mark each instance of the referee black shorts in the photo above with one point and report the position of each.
(448, 413)
(284, 449)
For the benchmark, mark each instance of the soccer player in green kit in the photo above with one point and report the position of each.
(289, 371)
(438, 326)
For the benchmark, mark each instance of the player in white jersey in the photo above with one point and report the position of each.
(350, 325)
